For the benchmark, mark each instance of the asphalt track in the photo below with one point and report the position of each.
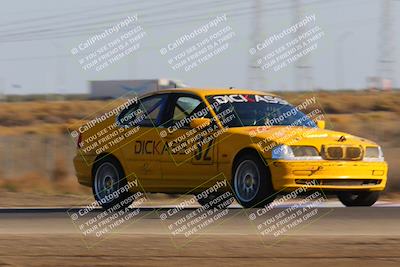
(335, 236)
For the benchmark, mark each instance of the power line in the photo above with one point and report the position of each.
(153, 23)
(157, 23)
(166, 22)
(35, 29)
(68, 14)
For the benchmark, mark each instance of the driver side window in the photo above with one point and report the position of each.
(186, 107)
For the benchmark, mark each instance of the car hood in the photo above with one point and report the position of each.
(300, 136)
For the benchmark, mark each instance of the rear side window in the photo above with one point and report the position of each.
(146, 113)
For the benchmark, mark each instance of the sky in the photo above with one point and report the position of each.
(36, 38)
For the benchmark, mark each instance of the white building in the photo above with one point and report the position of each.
(125, 88)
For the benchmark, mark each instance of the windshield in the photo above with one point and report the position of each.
(257, 110)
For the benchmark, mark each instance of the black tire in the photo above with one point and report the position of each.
(211, 201)
(252, 182)
(358, 199)
(108, 172)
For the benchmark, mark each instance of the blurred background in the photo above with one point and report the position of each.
(43, 89)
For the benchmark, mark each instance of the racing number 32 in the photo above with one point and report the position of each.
(204, 151)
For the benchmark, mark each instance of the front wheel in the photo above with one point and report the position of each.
(358, 199)
(252, 182)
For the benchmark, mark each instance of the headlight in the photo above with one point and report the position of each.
(373, 153)
(282, 152)
(295, 153)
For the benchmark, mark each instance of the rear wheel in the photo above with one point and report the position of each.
(358, 199)
(108, 180)
(252, 182)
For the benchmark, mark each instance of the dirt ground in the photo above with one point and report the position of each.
(22, 199)
(156, 250)
(26, 200)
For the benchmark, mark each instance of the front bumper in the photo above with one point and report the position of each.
(328, 175)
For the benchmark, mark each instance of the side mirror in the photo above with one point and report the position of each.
(200, 123)
(321, 124)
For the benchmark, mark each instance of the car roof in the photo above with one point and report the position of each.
(210, 91)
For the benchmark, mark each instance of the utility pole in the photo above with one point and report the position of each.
(60, 72)
(2, 90)
(256, 79)
(339, 62)
(386, 61)
(303, 79)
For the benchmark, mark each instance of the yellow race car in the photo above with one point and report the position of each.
(252, 144)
